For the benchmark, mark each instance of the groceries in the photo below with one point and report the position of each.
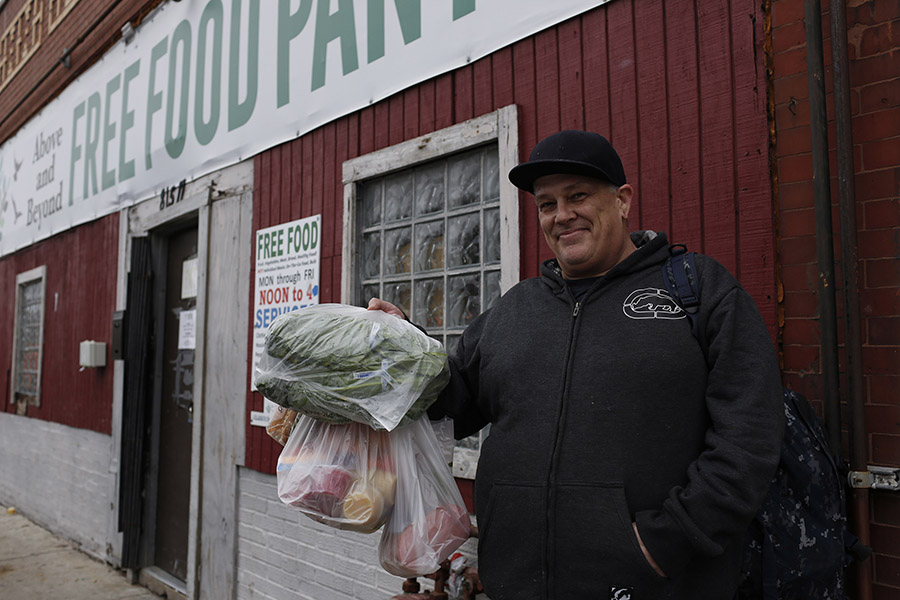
(339, 363)
(423, 544)
(340, 475)
(353, 477)
(430, 520)
(362, 455)
(281, 424)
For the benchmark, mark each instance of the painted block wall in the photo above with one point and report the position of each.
(284, 555)
(874, 52)
(60, 477)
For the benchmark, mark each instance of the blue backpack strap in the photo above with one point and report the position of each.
(680, 277)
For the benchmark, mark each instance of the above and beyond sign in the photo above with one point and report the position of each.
(206, 84)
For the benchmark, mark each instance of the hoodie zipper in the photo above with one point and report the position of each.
(554, 455)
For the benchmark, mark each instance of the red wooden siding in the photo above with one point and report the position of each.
(678, 86)
(79, 302)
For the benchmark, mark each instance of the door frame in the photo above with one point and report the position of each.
(210, 526)
(155, 217)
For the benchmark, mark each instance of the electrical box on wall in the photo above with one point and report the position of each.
(93, 354)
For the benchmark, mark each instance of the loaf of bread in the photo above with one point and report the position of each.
(281, 424)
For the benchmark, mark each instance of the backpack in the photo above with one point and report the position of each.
(798, 543)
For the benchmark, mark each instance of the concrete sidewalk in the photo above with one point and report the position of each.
(37, 565)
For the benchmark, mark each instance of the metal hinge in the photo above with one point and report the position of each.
(876, 478)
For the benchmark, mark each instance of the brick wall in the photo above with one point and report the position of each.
(874, 49)
(88, 30)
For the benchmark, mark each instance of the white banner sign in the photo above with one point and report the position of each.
(206, 84)
(287, 279)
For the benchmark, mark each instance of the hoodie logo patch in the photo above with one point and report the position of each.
(617, 593)
(652, 303)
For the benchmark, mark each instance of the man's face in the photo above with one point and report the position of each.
(584, 222)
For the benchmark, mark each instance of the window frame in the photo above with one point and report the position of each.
(499, 127)
(38, 274)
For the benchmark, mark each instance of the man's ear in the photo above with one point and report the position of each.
(624, 195)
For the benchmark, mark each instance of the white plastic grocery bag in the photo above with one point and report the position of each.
(429, 520)
(340, 475)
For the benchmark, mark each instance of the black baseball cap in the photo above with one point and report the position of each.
(571, 152)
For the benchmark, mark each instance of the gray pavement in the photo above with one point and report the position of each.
(37, 565)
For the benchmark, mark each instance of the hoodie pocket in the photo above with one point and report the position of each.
(511, 541)
(594, 543)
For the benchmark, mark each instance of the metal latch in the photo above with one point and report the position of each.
(876, 478)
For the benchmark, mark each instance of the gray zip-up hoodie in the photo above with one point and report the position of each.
(607, 411)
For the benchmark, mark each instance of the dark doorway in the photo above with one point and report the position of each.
(176, 301)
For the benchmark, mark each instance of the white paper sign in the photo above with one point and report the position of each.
(287, 278)
(261, 418)
(187, 330)
(189, 278)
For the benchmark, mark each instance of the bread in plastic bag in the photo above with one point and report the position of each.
(340, 475)
(281, 424)
(340, 363)
(429, 521)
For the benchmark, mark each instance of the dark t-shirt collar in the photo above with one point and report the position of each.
(579, 287)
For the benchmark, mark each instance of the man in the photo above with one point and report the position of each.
(625, 458)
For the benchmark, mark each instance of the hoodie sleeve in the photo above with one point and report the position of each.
(458, 400)
(728, 480)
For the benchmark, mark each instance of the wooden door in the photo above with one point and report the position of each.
(176, 405)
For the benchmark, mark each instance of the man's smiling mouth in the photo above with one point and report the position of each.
(569, 233)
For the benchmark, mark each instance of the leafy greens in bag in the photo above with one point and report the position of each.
(339, 363)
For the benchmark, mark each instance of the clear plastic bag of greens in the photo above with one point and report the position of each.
(340, 363)
(429, 520)
(340, 475)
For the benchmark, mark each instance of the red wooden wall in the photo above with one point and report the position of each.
(79, 301)
(678, 86)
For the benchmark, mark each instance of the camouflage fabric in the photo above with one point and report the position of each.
(796, 546)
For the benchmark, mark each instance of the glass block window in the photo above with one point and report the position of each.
(431, 225)
(29, 337)
(430, 240)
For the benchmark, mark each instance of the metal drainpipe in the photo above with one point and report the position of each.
(824, 231)
(853, 337)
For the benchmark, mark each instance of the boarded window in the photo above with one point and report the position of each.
(28, 342)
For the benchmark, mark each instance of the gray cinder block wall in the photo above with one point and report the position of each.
(62, 478)
(284, 555)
